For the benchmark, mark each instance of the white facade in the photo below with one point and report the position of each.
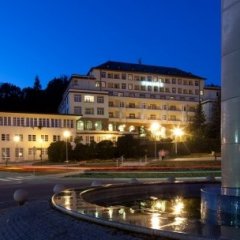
(132, 98)
(24, 136)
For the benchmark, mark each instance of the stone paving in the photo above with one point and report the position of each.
(39, 221)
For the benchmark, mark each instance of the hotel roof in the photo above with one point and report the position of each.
(142, 68)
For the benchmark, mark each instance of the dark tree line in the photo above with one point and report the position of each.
(33, 99)
(206, 136)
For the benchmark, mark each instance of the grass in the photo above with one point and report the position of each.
(204, 173)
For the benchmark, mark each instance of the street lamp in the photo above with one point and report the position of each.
(16, 139)
(154, 128)
(177, 132)
(66, 134)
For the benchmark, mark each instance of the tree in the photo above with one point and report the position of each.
(57, 151)
(10, 97)
(129, 147)
(105, 149)
(198, 126)
(37, 85)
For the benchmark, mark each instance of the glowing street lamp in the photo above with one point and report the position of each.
(154, 128)
(66, 134)
(178, 133)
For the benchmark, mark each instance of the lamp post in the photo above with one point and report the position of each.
(154, 128)
(177, 132)
(66, 134)
(16, 139)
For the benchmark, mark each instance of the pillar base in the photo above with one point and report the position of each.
(220, 209)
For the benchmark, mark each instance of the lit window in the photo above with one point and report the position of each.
(88, 98)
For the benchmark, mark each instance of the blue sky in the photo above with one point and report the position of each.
(50, 38)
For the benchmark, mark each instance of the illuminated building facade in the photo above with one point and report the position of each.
(26, 136)
(116, 98)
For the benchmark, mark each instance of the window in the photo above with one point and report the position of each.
(153, 117)
(173, 90)
(116, 85)
(142, 78)
(116, 76)
(167, 90)
(110, 75)
(167, 80)
(80, 125)
(123, 85)
(130, 77)
(179, 90)
(100, 111)
(100, 99)
(110, 114)
(32, 138)
(19, 136)
(103, 74)
(77, 110)
(143, 88)
(136, 78)
(136, 87)
(56, 138)
(153, 106)
(173, 118)
(98, 125)
(124, 76)
(88, 98)
(132, 115)
(18, 153)
(149, 88)
(174, 81)
(149, 78)
(110, 104)
(121, 104)
(5, 154)
(164, 107)
(161, 89)
(77, 98)
(173, 108)
(164, 117)
(196, 92)
(196, 83)
(132, 105)
(89, 125)
(89, 111)
(130, 86)
(155, 89)
(179, 81)
(44, 138)
(5, 137)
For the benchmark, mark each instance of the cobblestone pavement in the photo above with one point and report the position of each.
(39, 221)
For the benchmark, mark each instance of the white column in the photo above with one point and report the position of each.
(231, 97)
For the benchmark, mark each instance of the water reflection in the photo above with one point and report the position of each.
(154, 212)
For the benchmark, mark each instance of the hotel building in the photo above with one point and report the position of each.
(113, 99)
(116, 98)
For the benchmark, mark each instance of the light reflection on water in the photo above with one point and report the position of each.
(154, 212)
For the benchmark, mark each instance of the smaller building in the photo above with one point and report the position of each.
(212, 94)
(26, 136)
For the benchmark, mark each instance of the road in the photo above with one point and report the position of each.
(38, 187)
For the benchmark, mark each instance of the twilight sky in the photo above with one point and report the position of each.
(50, 38)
